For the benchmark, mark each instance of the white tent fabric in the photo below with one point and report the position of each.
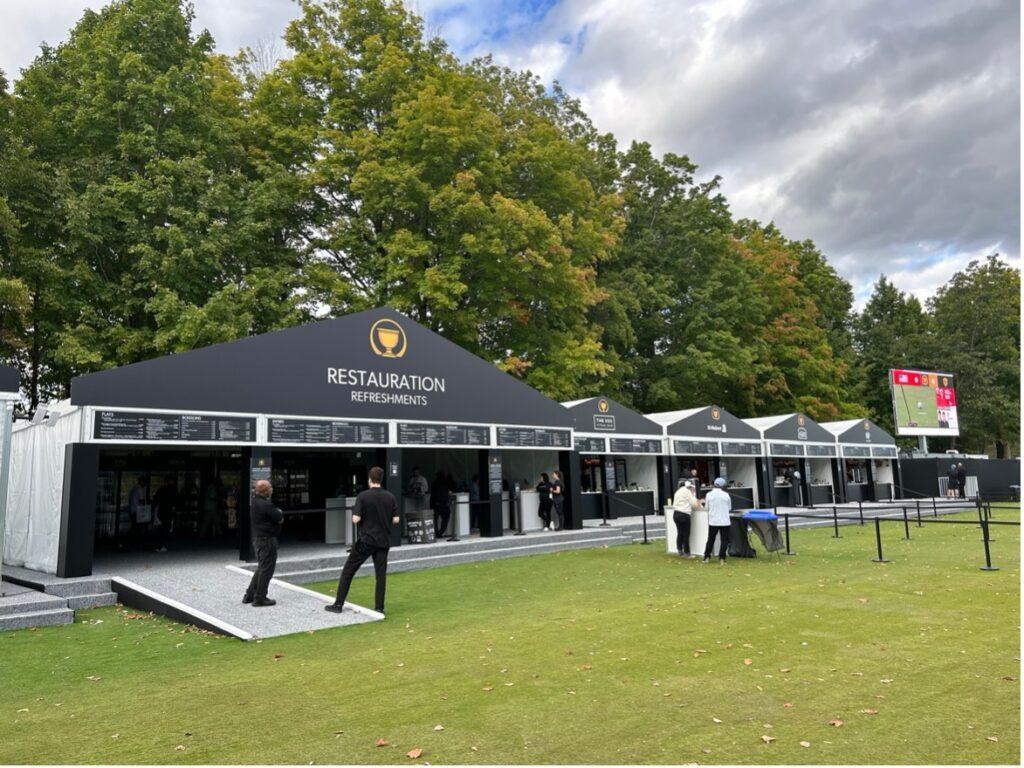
(32, 531)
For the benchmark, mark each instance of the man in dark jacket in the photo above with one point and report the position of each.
(375, 514)
(961, 479)
(266, 525)
(439, 490)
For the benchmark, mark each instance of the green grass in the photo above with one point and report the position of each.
(906, 399)
(600, 656)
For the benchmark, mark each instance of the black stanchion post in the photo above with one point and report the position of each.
(860, 510)
(605, 501)
(518, 508)
(935, 508)
(835, 523)
(644, 513)
(988, 555)
(919, 523)
(906, 524)
(878, 541)
(785, 518)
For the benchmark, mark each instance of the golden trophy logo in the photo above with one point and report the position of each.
(867, 425)
(602, 405)
(387, 338)
(715, 414)
(800, 420)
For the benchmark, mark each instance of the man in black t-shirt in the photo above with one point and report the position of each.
(375, 513)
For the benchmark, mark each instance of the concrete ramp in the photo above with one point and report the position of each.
(208, 593)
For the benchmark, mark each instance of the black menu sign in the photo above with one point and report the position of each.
(187, 427)
(856, 450)
(741, 449)
(526, 437)
(589, 445)
(885, 451)
(821, 450)
(633, 445)
(494, 474)
(443, 434)
(695, 447)
(786, 449)
(327, 432)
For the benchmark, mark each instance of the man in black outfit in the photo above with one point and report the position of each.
(439, 503)
(375, 513)
(961, 479)
(266, 525)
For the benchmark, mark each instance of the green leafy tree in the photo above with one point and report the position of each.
(890, 332)
(976, 336)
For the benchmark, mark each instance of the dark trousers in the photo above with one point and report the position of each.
(723, 532)
(556, 514)
(266, 562)
(442, 514)
(962, 486)
(544, 511)
(362, 551)
(682, 521)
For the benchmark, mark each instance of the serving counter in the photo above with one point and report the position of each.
(742, 498)
(783, 495)
(620, 504)
(821, 494)
(883, 492)
(856, 491)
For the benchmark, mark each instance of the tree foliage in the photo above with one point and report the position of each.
(156, 196)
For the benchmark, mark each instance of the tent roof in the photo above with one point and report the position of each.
(859, 431)
(704, 422)
(339, 367)
(603, 414)
(791, 427)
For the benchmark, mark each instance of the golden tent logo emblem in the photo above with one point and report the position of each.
(716, 414)
(387, 338)
(602, 405)
(800, 420)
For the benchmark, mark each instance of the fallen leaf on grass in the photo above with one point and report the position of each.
(706, 751)
(94, 678)
(991, 738)
(715, 720)
(784, 669)
(115, 735)
(767, 739)
(835, 722)
(585, 667)
(509, 685)
(23, 710)
(381, 743)
(886, 680)
(862, 600)
(1009, 678)
(438, 727)
(747, 662)
(805, 743)
(475, 749)
(180, 748)
(788, 705)
(869, 711)
(278, 656)
(414, 753)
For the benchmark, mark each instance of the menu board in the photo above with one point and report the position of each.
(695, 447)
(589, 445)
(741, 449)
(494, 474)
(187, 427)
(884, 451)
(527, 437)
(821, 450)
(786, 449)
(443, 434)
(856, 450)
(631, 445)
(327, 432)
(610, 480)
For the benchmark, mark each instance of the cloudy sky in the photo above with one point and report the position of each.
(888, 132)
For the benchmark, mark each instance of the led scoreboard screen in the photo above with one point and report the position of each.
(924, 403)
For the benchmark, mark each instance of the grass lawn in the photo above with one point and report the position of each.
(599, 656)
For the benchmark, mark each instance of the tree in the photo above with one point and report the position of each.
(440, 190)
(154, 246)
(890, 332)
(976, 322)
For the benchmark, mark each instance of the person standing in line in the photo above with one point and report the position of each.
(266, 527)
(164, 501)
(684, 502)
(961, 479)
(719, 506)
(952, 481)
(798, 488)
(474, 507)
(375, 514)
(439, 504)
(544, 495)
(557, 500)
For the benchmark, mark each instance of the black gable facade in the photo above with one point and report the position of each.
(376, 364)
(866, 431)
(799, 428)
(714, 421)
(604, 415)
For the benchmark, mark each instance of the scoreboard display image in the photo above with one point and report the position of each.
(924, 403)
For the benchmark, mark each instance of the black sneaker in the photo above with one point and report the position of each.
(246, 599)
(263, 602)
(334, 608)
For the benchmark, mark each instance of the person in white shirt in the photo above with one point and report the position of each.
(719, 506)
(683, 503)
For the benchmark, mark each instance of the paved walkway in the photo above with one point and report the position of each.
(209, 586)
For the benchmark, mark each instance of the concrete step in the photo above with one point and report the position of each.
(30, 602)
(55, 585)
(455, 557)
(45, 618)
(83, 602)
